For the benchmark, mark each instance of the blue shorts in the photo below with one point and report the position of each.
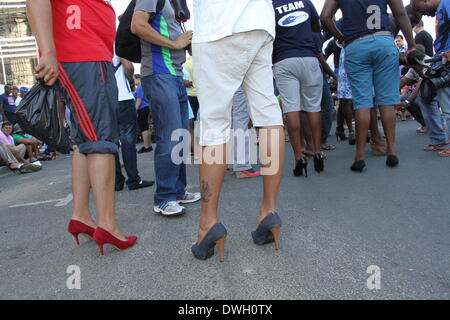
(90, 91)
(372, 65)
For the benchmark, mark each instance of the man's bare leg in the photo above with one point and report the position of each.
(101, 169)
(211, 179)
(376, 137)
(271, 145)
(294, 127)
(80, 189)
(362, 117)
(19, 153)
(315, 123)
(389, 121)
(146, 139)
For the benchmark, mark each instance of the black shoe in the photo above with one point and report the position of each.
(318, 162)
(119, 187)
(142, 184)
(302, 164)
(144, 149)
(358, 166)
(215, 236)
(341, 136)
(392, 161)
(351, 139)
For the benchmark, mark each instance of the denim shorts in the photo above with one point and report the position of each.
(372, 66)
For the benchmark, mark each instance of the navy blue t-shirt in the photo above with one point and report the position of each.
(293, 28)
(8, 103)
(333, 49)
(364, 17)
(318, 42)
(339, 25)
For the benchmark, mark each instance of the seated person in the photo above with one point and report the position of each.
(8, 159)
(7, 139)
(32, 144)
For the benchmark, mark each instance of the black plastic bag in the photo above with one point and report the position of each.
(37, 115)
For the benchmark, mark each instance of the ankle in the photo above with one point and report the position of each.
(85, 218)
(265, 211)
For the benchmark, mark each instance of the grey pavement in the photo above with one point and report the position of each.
(336, 225)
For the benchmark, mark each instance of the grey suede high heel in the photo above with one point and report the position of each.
(268, 230)
(215, 236)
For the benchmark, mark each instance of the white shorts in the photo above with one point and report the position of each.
(220, 68)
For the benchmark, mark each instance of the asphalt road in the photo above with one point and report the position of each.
(336, 225)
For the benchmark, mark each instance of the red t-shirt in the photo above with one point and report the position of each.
(84, 30)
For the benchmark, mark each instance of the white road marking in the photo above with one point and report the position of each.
(64, 202)
(60, 202)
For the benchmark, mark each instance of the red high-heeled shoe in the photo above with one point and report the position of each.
(102, 237)
(76, 227)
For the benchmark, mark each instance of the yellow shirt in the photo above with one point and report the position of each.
(192, 92)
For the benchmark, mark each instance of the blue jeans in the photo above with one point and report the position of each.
(443, 97)
(127, 136)
(327, 109)
(169, 106)
(433, 117)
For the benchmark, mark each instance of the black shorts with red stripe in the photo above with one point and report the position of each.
(89, 89)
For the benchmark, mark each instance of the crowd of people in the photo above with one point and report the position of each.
(19, 151)
(242, 56)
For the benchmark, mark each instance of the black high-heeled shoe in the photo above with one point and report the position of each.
(351, 139)
(340, 136)
(319, 162)
(392, 161)
(302, 164)
(358, 166)
(205, 249)
(268, 230)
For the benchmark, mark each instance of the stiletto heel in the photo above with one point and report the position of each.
(268, 230)
(318, 162)
(102, 237)
(75, 235)
(221, 245)
(305, 167)
(76, 227)
(302, 164)
(101, 250)
(351, 139)
(276, 233)
(340, 136)
(205, 249)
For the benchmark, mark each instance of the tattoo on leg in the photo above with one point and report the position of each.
(204, 190)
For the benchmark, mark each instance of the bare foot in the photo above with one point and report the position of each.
(378, 149)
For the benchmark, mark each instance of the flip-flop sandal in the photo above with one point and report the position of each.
(433, 147)
(328, 147)
(444, 153)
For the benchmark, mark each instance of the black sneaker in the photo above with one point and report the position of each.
(142, 184)
(144, 149)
